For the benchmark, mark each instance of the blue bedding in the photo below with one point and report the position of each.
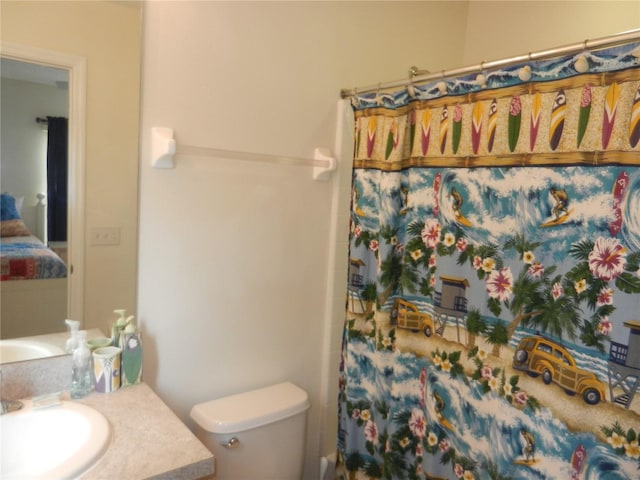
(27, 258)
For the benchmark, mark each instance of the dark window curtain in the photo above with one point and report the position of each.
(57, 179)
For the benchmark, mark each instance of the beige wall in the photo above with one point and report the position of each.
(107, 34)
(235, 256)
(500, 29)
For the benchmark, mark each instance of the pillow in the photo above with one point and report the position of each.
(19, 203)
(11, 225)
(8, 207)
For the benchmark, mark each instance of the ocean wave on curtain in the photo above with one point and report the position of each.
(494, 276)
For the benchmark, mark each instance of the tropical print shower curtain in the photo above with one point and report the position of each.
(493, 315)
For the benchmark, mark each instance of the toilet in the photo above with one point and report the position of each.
(256, 435)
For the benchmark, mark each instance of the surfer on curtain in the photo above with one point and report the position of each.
(559, 213)
(457, 206)
(404, 192)
(562, 199)
(529, 442)
(457, 201)
(355, 197)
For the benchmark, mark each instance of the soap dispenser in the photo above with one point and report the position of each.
(72, 341)
(81, 378)
(131, 344)
(118, 327)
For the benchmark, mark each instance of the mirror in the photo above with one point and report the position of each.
(33, 176)
(98, 44)
(39, 292)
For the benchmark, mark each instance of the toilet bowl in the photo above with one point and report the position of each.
(258, 434)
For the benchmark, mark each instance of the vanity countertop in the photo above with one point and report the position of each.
(147, 439)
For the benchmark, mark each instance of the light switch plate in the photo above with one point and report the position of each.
(105, 236)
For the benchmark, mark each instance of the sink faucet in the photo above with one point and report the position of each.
(9, 406)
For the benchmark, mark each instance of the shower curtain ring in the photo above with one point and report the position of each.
(480, 77)
(411, 91)
(354, 97)
(378, 96)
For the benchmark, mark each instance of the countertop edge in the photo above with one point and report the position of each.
(148, 439)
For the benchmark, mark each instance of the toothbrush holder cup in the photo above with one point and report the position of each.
(106, 368)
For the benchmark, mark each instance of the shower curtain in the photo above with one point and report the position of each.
(494, 276)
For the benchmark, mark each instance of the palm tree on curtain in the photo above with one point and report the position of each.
(353, 463)
(369, 295)
(409, 277)
(475, 326)
(373, 470)
(538, 298)
(390, 267)
(538, 303)
(415, 274)
(497, 337)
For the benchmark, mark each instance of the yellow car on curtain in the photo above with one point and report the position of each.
(405, 314)
(539, 355)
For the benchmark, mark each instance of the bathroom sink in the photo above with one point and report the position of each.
(56, 442)
(18, 350)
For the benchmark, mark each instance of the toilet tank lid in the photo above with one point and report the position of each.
(244, 411)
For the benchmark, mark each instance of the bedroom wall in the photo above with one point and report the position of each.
(24, 143)
(234, 255)
(107, 34)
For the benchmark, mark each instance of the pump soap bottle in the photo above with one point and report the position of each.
(118, 327)
(81, 379)
(131, 344)
(72, 341)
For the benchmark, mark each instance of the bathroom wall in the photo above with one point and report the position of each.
(238, 287)
(88, 29)
(498, 29)
(234, 255)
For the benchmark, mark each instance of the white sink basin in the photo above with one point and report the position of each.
(56, 442)
(18, 350)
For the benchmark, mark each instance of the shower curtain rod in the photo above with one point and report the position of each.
(609, 41)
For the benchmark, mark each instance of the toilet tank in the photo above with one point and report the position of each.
(256, 435)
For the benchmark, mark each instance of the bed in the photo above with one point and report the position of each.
(33, 286)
